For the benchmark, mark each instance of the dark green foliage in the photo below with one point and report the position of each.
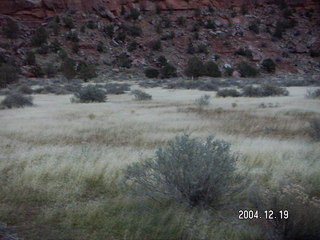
(100, 47)
(134, 14)
(72, 36)
(269, 65)
(68, 22)
(210, 24)
(282, 26)
(211, 69)
(39, 37)
(16, 100)
(264, 90)
(109, 30)
(43, 49)
(228, 93)
(68, 68)
(86, 71)
(196, 172)
(254, 27)
(314, 53)
(166, 22)
(228, 71)
(90, 94)
(247, 70)
(181, 21)
(134, 30)
(202, 48)
(244, 52)
(75, 48)
(132, 46)
(121, 36)
(30, 58)
(37, 71)
(168, 71)
(55, 46)
(190, 49)
(156, 45)
(8, 75)
(151, 72)
(141, 95)
(315, 128)
(11, 29)
(123, 60)
(162, 60)
(195, 68)
(83, 29)
(91, 24)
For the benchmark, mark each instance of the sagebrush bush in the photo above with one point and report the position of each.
(156, 45)
(140, 95)
(151, 72)
(195, 67)
(228, 93)
(30, 58)
(40, 37)
(25, 89)
(313, 94)
(68, 68)
(168, 71)
(203, 100)
(247, 70)
(68, 22)
(86, 71)
(187, 170)
(89, 94)
(211, 69)
(315, 128)
(269, 65)
(8, 74)
(11, 29)
(16, 100)
(264, 90)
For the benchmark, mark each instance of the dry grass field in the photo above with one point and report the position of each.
(61, 163)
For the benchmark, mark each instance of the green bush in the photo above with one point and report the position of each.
(133, 45)
(39, 37)
(50, 70)
(11, 29)
(190, 49)
(68, 22)
(202, 48)
(72, 36)
(121, 36)
(134, 31)
(264, 90)
(89, 94)
(37, 71)
(134, 14)
(156, 45)
(314, 53)
(253, 27)
(16, 100)
(199, 173)
(91, 24)
(247, 70)
(162, 60)
(168, 71)
(109, 30)
(123, 60)
(195, 67)
(315, 128)
(75, 48)
(181, 21)
(9, 74)
(151, 72)
(68, 68)
(140, 95)
(228, 93)
(269, 65)
(244, 52)
(86, 71)
(211, 69)
(100, 47)
(30, 58)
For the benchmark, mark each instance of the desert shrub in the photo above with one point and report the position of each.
(39, 37)
(89, 94)
(190, 49)
(11, 29)
(253, 27)
(72, 36)
(91, 24)
(30, 58)
(55, 46)
(100, 47)
(313, 93)
(117, 88)
(109, 30)
(211, 69)
(68, 22)
(123, 60)
(134, 14)
(244, 52)
(203, 100)
(140, 95)
(247, 70)
(187, 170)
(50, 70)
(315, 128)
(168, 36)
(16, 100)
(25, 89)
(244, 9)
(287, 13)
(9, 74)
(166, 22)
(37, 71)
(181, 21)
(228, 93)
(281, 27)
(269, 65)
(151, 72)
(121, 36)
(208, 86)
(264, 90)
(168, 71)
(156, 45)
(68, 68)
(43, 49)
(202, 48)
(303, 212)
(162, 61)
(86, 71)
(134, 31)
(195, 67)
(133, 45)
(75, 48)
(314, 53)
(228, 71)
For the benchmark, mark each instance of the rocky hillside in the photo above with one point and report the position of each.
(41, 36)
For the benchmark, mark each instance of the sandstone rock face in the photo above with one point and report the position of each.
(46, 8)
